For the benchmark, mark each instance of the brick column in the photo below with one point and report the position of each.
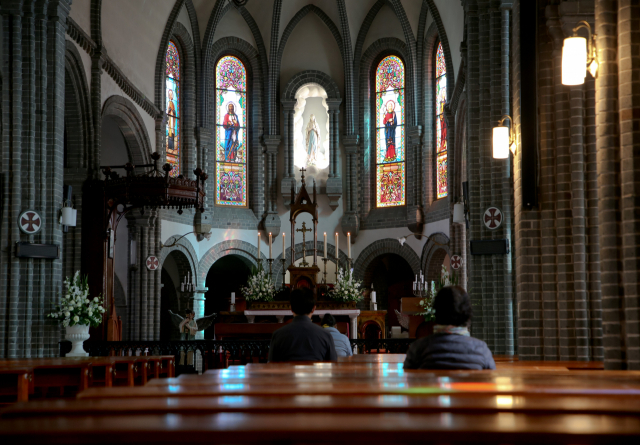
(350, 221)
(334, 181)
(271, 222)
(288, 176)
(415, 176)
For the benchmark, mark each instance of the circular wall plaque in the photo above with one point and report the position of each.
(492, 218)
(30, 222)
(152, 262)
(456, 262)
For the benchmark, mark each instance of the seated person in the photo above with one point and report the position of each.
(340, 341)
(302, 340)
(450, 347)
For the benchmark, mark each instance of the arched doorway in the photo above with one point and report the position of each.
(226, 275)
(174, 268)
(392, 278)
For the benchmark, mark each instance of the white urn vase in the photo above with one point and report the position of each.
(77, 335)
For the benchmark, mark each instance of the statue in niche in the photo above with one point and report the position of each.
(311, 140)
(390, 122)
(231, 128)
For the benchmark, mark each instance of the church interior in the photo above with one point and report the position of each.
(174, 171)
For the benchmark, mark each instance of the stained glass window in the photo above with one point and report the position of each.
(172, 101)
(390, 149)
(231, 150)
(441, 125)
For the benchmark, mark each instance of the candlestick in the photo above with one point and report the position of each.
(337, 250)
(373, 296)
(270, 261)
(324, 279)
(284, 271)
(325, 246)
(270, 239)
(233, 298)
(349, 243)
(284, 252)
(258, 247)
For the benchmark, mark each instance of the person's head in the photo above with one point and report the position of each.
(231, 108)
(453, 306)
(187, 313)
(170, 94)
(328, 320)
(303, 302)
(390, 106)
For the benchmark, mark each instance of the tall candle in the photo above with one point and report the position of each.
(258, 247)
(373, 296)
(337, 249)
(233, 298)
(284, 252)
(270, 239)
(349, 243)
(325, 245)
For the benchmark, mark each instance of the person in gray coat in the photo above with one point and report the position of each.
(451, 346)
(341, 342)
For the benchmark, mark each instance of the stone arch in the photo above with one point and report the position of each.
(249, 57)
(248, 252)
(433, 252)
(78, 113)
(180, 36)
(184, 246)
(372, 56)
(311, 76)
(441, 33)
(124, 112)
(273, 81)
(380, 247)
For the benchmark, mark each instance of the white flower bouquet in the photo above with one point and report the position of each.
(259, 287)
(76, 308)
(346, 288)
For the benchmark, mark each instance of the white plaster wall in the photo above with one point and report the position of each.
(131, 33)
(86, 62)
(412, 10)
(110, 88)
(183, 17)
(452, 15)
(311, 46)
(291, 7)
(262, 11)
(81, 14)
(203, 11)
(356, 12)
(386, 24)
(234, 25)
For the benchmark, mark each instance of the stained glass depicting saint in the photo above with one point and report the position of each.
(390, 147)
(172, 104)
(231, 151)
(440, 124)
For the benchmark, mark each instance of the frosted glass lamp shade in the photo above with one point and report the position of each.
(458, 213)
(69, 216)
(500, 142)
(574, 61)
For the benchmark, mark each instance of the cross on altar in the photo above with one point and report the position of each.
(304, 247)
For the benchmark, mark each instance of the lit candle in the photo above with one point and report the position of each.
(233, 298)
(337, 249)
(325, 245)
(414, 285)
(270, 239)
(349, 243)
(284, 254)
(258, 246)
(373, 296)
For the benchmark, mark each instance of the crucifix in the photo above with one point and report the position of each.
(304, 246)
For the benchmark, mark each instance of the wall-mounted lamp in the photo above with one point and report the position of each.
(503, 139)
(458, 213)
(69, 215)
(578, 54)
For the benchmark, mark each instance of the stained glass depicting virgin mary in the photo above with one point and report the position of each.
(390, 122)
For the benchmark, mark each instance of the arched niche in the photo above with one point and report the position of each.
(321, 85)
(175, 267)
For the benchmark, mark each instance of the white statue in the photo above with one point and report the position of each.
(311, 140)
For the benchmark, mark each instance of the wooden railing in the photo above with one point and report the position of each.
(215, 354)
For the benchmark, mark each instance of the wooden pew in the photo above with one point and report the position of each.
(16, 381)
(53, 373)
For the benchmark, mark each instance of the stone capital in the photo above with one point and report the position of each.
(288, 105)
(350, 224)
(334, 105)
(272, 224)
(415, 218)
(334, 191)
(271, 143)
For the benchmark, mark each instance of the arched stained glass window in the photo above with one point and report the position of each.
(231, 147)
(390, 148)
(441, 126)
(172, 102)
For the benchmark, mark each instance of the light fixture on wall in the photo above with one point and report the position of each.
(503, 139)
(458, 213)
(578, 54)
(68, 214)
(403, 239)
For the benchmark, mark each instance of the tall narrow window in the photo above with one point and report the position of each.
(390, 157)
(172, 100)
(441, 126)
(231, 149)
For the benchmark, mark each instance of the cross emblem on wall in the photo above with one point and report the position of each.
(456, 262)
(492, 218)
(30, 222)
(152, 263)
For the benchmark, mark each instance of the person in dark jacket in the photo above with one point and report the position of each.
(451, 346)
(302, 340)
(340, 341)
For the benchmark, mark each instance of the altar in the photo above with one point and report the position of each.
(281, 313)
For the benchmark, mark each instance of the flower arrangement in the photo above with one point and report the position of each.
(426, 303)
(259, 287)
(346, 288)
(76, 308)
